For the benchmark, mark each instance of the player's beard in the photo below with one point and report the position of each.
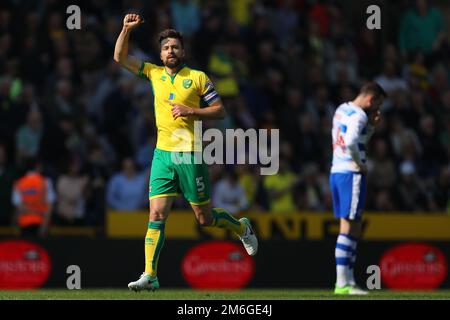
(174, 63)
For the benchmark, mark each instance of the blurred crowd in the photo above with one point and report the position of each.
(282, 64)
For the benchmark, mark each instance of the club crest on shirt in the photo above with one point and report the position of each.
(187, 83)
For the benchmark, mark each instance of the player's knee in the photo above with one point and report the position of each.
(156, 215)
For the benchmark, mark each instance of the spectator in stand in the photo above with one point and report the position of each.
(33, 196)
(29, 136)
(229, 194)
(320, 106)
(412, 196)
(422, 28)
(433, 153)
(313, 187)
(127, 189)
(382, 170)
(241, 11)
(72, 189)
(404, 141)
(250, 182)
(342, 63)
(280, 189)
(98, 171)
(390, 81)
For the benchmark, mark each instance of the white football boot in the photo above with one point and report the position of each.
(145, 282)
(249, 239)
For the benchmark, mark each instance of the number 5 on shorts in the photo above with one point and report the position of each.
(200, 184)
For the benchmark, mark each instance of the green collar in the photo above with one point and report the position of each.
(172, 78)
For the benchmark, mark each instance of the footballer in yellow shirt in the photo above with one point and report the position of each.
(186, 86)
(180, 93)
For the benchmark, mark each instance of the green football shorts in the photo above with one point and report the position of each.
(173, 173)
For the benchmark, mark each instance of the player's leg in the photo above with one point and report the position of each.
(154, 241)
(162, 192)
(348, 192)
(352, 231)
(356, 232)
(220, 218)
(195, 186)
(347, 241)
(341, 255)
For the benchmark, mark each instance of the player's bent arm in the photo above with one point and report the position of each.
(351, 140)
(121, 52)
(216, 110)
(354, 152)
(370, 132)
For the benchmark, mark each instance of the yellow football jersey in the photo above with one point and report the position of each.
(187, 87)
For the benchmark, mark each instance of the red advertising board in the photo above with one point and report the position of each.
(413, 266)
(217, 265)
(23, 265)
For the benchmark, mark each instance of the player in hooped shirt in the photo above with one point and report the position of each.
(353, 124)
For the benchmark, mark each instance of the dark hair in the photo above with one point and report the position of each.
(171, 33)
(373, 88)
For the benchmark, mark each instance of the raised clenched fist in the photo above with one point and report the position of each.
(132, 20)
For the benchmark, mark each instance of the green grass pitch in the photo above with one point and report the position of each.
(183, 294)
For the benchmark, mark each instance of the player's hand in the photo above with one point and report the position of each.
(375, 117)
(132, 20)
(179, 110)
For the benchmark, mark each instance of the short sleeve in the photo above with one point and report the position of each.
(207, 91)
(145, 70)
